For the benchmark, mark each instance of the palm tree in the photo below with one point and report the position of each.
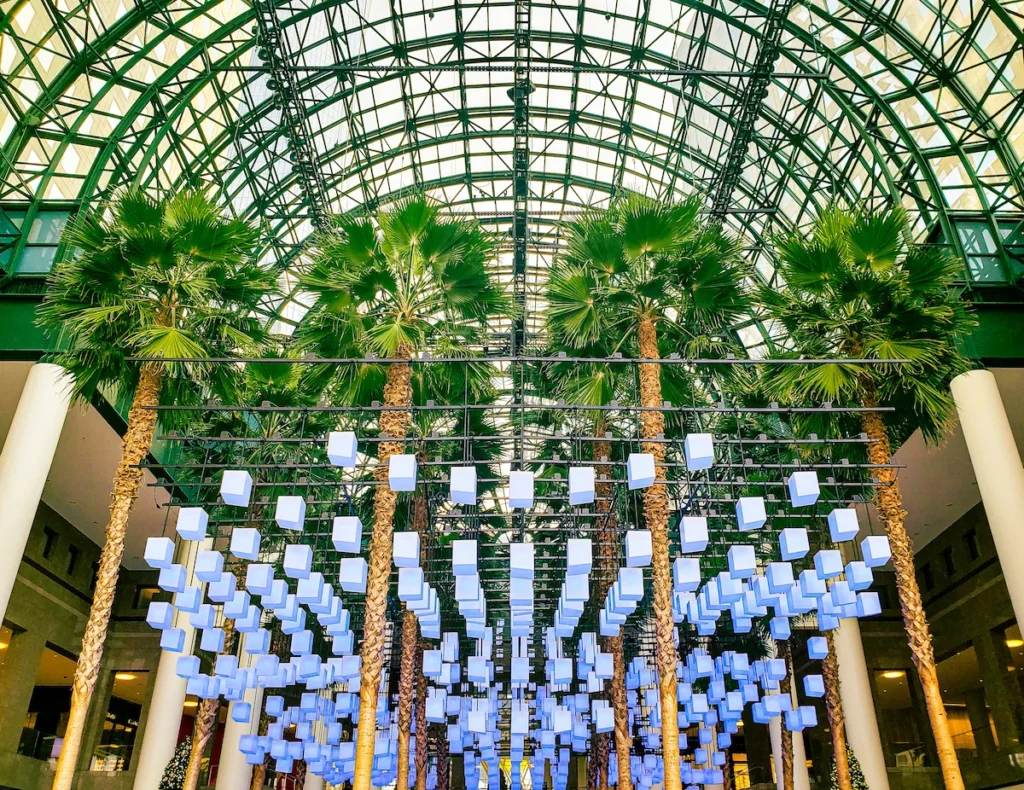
(167, 278)
(651, 276)
(857, 288)
(412, 281)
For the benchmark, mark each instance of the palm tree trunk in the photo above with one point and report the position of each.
(836, 721)
(127, 481)
(443, 760)
(889, 502)
(592, 761)
(728, 780)
(656, 514)
(606, 562)
(394, 424)
(406, 689)
(421, 724)
(206, 716)
(602, 761)
(300, 775)
(410, 639)
(785, 687)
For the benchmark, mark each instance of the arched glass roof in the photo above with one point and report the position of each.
(519, 112)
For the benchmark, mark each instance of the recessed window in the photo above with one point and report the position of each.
(73, 554)
(948, 561)
(146, 593)
(971, 542)
(49, 542)
(927, 577)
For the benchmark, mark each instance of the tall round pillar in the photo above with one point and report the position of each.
(314, 782)
(801, 778)
(999, 472)
(858, 704)
(233, 772)
(163, 717)
(25, 463)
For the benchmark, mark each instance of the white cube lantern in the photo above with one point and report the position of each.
(159, 552)
(843, 524)
(686, 574)
(402, 472)
(410, 584)
(640, 471)
(352, 574)
(464, 557)
(803, 488)
(693, 534)
(742, 561)
(639, 548)
(521, 563)
(579, 555)
(793, 543)
(347, 534)
(290, 513)
(467, 588)
(245, 543)
(236, 487)
(780, 577)
(750, 513)
(259, 578)
(581, 485)
(192, 523)
(406, 549)
(520, 489)
(209, 566)
(700, 451)
(828, 563)
(298, 560)
(630, 584)
(310, 589)
(463, 485)
(172, 578)
(222, 589)
(342, 448)
(876, 550)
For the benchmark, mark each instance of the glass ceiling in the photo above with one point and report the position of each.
(292, 110)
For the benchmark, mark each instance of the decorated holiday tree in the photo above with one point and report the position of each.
(174, 773)
(857, 780)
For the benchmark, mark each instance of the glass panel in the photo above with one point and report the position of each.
(47, 227)
(898, 720)
(963, 694)
(983, 260)
(43, 733)
(36, 260)
(121, 725)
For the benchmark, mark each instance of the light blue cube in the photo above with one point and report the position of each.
(159, 552)
(828, 563)
(464, 557)
(187, 667)
(352, 574)
(742, 561)
(245, 543)
(236, 487)
(686, 574)
(858, 576)
(843, 524)
(780, 577)
(310, 589)
(406, 549)
(402, 470)
(290, 513)
(817, 647)
(462, 488)
(347, 534)
(160, 615)
(172, 640)
(410, 585)
(811, 584)
(209, 566)
(172, 578)
(750, 513)
(793, 543)
(581, 485)
(302, 643)
(237, 605)
(699, 449)
(204, 617)
(868, 604)
(189, 599)
(640, 471)
(521, 563)
(212, 640)
(579, 556)
(693, 534)
(241, 712)
(259, 578)
(520, 489)
(192, 523)
(257, 642)
(827, 622)
(222, 589)
(342, 449)
(803, 488)
(780, 629)
(639, 549)
(875, 550)
(298, 560)
(629, 584)
(432, 661)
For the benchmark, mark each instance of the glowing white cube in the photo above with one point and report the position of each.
(579, 556)
(463, 485)
(640, 471)
(793, 543)
(686, 574)
(352, 575)
(699, 449)
(464, 557)
(843, 524)
(209, 566)
(520, 489)
(876, 550)
(581, 485)
(298, 560)
(693, 534)
(236, 487)
(192, 523)
(347, 534)
(410, 584)
(638, 548)
(159, 552)
(521, 564)
(742, 561)
(803, 488)
(406, 549)
(402, 472)
(750, 513)
(290, 513)
(342, 448)
(245, 543)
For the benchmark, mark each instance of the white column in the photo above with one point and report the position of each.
(858, 704)
(314, 782)
(998, 468)
(801, 779)
(25, 463)
(233, 773)
(163, 718)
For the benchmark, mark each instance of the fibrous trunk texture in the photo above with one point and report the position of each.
(656, 514)
(422, 738)
(406, 690)
(300, 775)
(443, 762)
(394, 423)
(607, 551)
(836, 721)
(592, 760)
(889, 502)
(202, 731)
(785, 687)
(127, 480)
(727, 771)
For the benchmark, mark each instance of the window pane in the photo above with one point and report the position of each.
(43, 733)
(47, 227)
(121, 725)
